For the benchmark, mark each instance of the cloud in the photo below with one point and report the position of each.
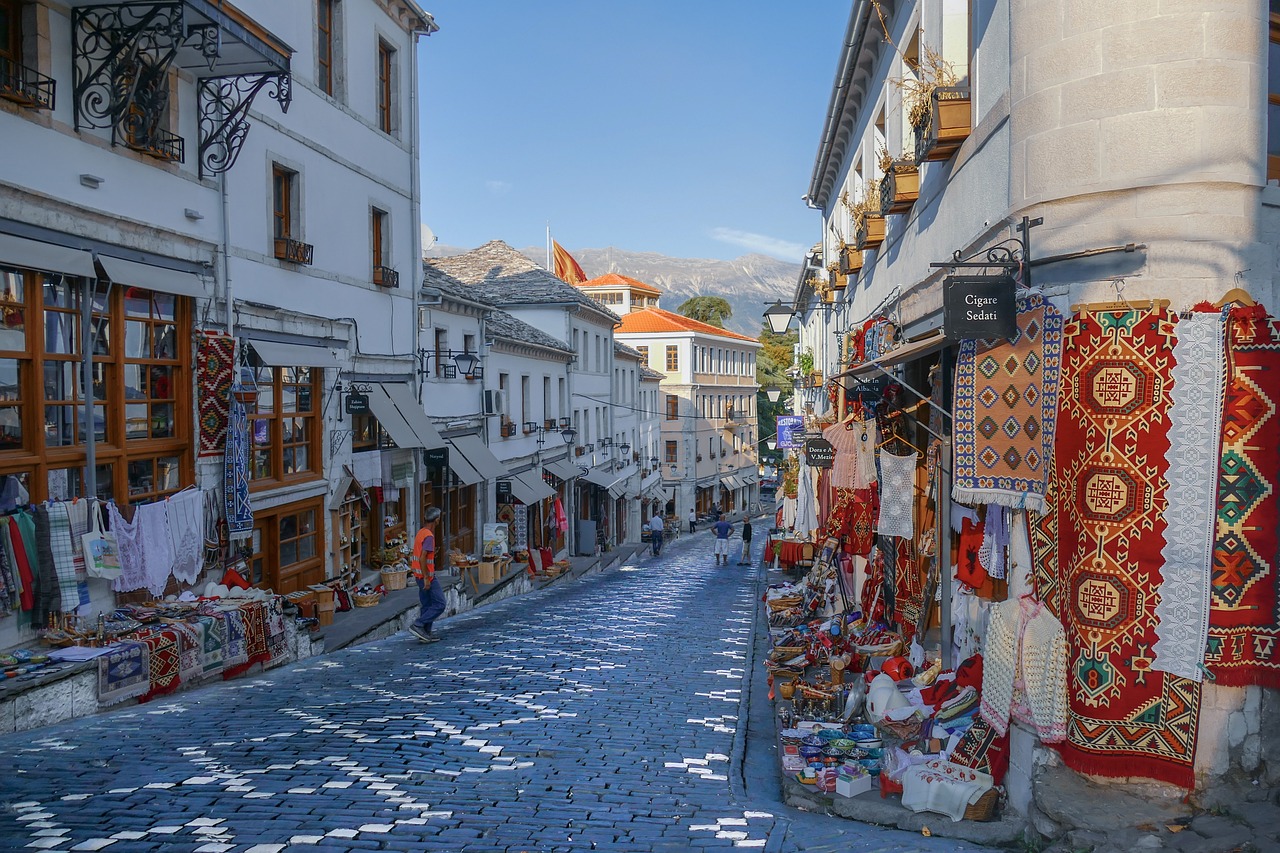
(761, 243)
(497, 187)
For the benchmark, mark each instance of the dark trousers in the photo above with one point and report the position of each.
(431, 603)
(655, 539)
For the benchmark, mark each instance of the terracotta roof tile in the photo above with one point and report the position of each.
(613, 279)
(659, 320)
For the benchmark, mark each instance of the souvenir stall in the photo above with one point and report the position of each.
(1088, 544)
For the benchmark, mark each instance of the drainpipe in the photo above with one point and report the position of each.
(86, 367)
(415, 269)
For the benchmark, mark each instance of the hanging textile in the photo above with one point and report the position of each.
(133, 565)
(867, 437)
(908, 587)
(64, 561)
(1195, 422)
(48, 592)
(897, 495)
(235, 475)
(78, 515)
(806, 503)
(16, 551)
(1128, 720)
(1046, 580)
(215, 365)
(1244, 615)
(993, 554)
(1006, 410)
(1025, 665)
(844, 471)
(184, 516)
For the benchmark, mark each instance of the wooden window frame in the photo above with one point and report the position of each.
(282, 190)
(35, 457)
(673, 358)
(13, 50)
(276, 443)
(386, 93)
(265, 569)
(673, 407)
(378, 236)
(671, 453)
(326, 44)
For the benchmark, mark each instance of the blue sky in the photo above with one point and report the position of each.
(686, 128)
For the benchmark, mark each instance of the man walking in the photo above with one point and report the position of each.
(693, 521)
(656, 531)
(746, 543)
(423, 564)
(722, 529)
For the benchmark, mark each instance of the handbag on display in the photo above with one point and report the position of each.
(101, 556)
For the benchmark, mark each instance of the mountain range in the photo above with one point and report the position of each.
(748, 283)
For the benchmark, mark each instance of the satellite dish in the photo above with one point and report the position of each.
(428, 238)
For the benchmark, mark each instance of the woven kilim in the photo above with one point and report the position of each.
(215, 363)
(235, 475)
(1006, 410)
(1126, 718)
(1043, 528)
(1244, 614)
(165, 669)
(123, 673)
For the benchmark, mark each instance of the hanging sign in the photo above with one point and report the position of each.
(504, 488)
(357, 404)
(979, 307)
(437, 457)
(819, 453)
(789, 429)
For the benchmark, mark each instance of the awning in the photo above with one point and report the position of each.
(400, 414)
(529, 488)
(602, 477)
(32, 254)
(151, 277)
(563, 468)
(618, 488)
(927, 345)
(275, 354)
(479, 457)
(462, 469)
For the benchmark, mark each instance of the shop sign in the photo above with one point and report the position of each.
(357, 404)
(819, 452)
(979, 307)
(504, 488)
(789, 429)
(437, 457)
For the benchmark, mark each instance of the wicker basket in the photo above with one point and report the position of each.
(985, 807)
(393, 579)
(369, 599)
(785, 602)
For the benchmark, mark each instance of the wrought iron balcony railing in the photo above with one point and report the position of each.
(26, 86)
(293, 251)
(386, 277)
(160, 144)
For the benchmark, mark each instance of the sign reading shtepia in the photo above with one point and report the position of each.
(979, 307)
(789, 429)
(819, 453)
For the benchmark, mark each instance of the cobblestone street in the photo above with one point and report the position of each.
(605, 714)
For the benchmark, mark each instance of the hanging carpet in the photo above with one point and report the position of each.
(1244, 618)
(1126, 718)
(215, 364)
(1006, 410)
(235, 475)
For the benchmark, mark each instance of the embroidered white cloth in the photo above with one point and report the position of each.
(868, 436)
(184, 513)
(897, 495)
(1024, 662)
(995, 539)
(1195, 420)
(943, 787)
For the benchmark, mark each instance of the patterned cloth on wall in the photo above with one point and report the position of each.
(1127, 719)
(215, 365)
(1195, 421)
(1244, 614)
(235, 475)
(1006, 407)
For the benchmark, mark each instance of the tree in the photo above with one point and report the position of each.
(707, 309)
(772, 363)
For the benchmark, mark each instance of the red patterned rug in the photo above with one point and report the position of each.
(165, 664)
(1244, 612)
(215, 361)
(1126, 718)
(1044, 549)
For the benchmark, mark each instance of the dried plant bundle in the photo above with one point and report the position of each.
(932, 72)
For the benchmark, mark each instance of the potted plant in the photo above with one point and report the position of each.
(850, 259)
(868, 223)
(900, 186)
(936, 106)
(838, 279)
(806, 362)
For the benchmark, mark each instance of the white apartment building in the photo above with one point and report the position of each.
(707, 409)
(246, 175)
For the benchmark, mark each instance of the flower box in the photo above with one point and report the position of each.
(839, 281)
(899, 188)
(950, 119)
(870, 232)
(850, 260)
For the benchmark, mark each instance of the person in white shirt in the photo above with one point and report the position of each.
(656, 531)
(693, 521)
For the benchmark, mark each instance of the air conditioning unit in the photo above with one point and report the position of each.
(495, 402)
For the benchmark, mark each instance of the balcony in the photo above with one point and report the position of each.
(25, 86)
(386, 277)
(293, 251)
(157, 143)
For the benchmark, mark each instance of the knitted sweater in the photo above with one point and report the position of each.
(1024, 639)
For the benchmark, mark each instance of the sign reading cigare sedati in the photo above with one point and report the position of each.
(979, 307)
(819, 452)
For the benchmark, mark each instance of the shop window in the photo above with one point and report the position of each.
(368, 434)
(673, 358)
(285, 547)
(386, 87)
(1273, 95)
(458, 505)
(673, 407)
(283, 427)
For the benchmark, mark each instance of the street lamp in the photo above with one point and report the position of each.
(624, 448)
(568, 434)
(773, 392)
(779, 317)
(653, 462)
(772, 444)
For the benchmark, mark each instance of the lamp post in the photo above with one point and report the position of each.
(779, 317)
(773, 392)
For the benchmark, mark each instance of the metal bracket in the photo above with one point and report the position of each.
(1012, 253)
(223, 105)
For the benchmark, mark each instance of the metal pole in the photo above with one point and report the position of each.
(86, 367)
(943, 521)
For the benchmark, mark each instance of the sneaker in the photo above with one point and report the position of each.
(422, 634)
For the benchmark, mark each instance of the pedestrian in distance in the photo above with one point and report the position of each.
(746, 543)
(722, 529)
(693, 521)
(657, 529)
(422, 562)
